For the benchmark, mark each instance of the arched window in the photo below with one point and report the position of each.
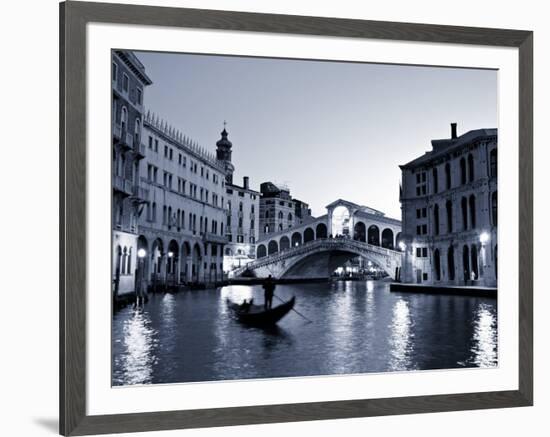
(267, 213)
(137, 132)
(280, 215)
(435, 180)
(280, 226)
(289, 218)
(462, 171)
(309, 235)
(494, 208)
(118, 260)
(451, 263)
(449, 208)
(473, 257)
(493, 163)
(466, 262)
(240, 206)
(464, 209)
(448, 176)
(129, 267)
(436, 219)
(124, 261)
(123, 118)
(470, 168)
(437, 265)
(473, 211)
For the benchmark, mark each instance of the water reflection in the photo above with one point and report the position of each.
(485, 348)
(135, 364)
(401, 344)
(358, 327)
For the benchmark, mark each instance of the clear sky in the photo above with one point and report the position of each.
(328, 130)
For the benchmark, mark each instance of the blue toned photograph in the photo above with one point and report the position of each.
(276, 218)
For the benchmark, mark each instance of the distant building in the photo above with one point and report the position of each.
(278, 211)
(243, 212)
(450, 213)
(128, 86)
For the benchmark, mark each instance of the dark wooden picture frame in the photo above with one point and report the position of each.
(73, 19)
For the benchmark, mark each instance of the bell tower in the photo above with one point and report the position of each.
(223, 154)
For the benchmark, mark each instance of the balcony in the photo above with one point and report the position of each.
(141, 193)
(117, 131)
(139, 148)
(123, 185)
(209, 237)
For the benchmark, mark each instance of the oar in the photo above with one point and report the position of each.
(297, 312)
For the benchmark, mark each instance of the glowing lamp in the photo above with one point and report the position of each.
(141, 253)
(484, 237)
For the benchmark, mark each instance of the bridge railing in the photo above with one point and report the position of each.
(329, 243)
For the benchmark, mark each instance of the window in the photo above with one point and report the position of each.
(166, 151)
(125, 82)
(424, 276)
(437, 265)
(171, 154)
(421, 184)
(494, 208)
(150, 142)
(123, 118)
(240, 206)
(280, 215)
(449, 208)
(156, 145)
(435, 181)
(436, 219)
(464, 209)
(473, 211)
(139, 96)
(115, 72)
(493, 163)
(470, 168)
(462, 171)
(448, 176)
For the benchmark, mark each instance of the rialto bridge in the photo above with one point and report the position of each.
(316, 248)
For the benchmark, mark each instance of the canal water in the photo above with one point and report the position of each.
(358, 327)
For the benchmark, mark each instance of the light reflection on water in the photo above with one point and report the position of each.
(358, 327)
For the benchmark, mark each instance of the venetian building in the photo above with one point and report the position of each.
(181, 225)
(242, 208)
(128, 84)
(450, 213)
(279, 211)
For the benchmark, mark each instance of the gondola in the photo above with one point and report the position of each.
(256, 315)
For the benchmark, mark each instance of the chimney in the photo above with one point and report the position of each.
(453, 131)
(245, 182)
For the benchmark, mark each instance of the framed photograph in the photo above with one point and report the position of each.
(270, 218)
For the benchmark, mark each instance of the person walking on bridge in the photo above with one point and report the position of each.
(269, 290)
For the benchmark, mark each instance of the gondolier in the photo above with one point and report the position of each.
(269, 290)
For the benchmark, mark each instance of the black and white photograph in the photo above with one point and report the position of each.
(277, 218)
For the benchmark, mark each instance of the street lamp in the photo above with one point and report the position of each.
(141, 253)
(484, 238)
(402, 246)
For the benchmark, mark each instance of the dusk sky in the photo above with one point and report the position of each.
(328, 130)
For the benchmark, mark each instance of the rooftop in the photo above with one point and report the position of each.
(444, 146)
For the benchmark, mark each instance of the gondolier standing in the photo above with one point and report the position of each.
(269, 289)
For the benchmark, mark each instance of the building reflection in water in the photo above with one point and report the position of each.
(137, 361)
(401, 344)
(485, 338)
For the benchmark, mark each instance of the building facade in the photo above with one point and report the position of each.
(279, 211)
(242, 225)
(181, 225)
(450, 213)
(128, 86)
